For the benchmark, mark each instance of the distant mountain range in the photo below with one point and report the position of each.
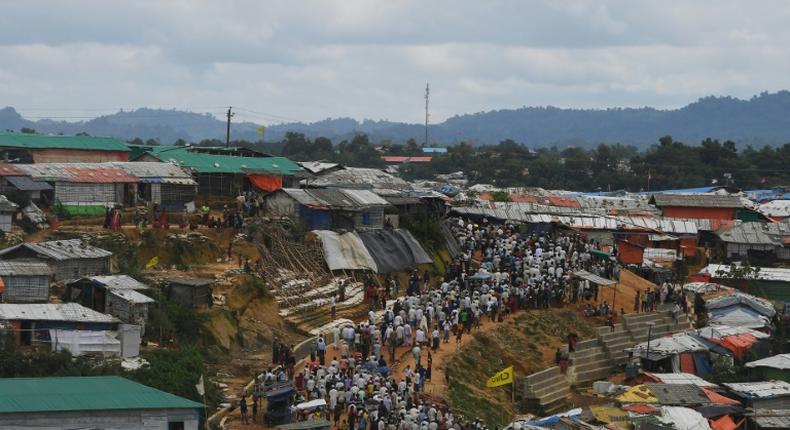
(763, 119)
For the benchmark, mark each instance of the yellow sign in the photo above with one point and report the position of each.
(261, 130)
(152, 262)
(503, 377)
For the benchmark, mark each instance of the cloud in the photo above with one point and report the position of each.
(371, 58)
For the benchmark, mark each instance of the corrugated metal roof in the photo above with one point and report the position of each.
(119, 281)
(71, 312)
(24, 183)
(756, 233)
(776, 422)
(760, 389)
(593, 278)
(43, 141)
(24, 268)
(151, 171)
(84, 393)
(212, 163)
(7, 169)
(678, 394)
(681, 378)
(131, 296)
(364, 197)
(779, 361)
(764, 274)
(335, 198)
(95, 175)
(316, 167)
(62, 249)
(697, 201)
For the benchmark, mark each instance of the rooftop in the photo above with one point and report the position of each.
(203, 162)
(84, 393)
(335, 198)
(124, 282)
(358, 177)
(62, 249)
(71, 312)
(24, 268)
(44, 141)
(698, 201)
(760, 390)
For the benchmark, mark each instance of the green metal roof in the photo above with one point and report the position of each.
(44, 141)
(84, 393)
(210, 163)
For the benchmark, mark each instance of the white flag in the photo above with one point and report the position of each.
(200, 388)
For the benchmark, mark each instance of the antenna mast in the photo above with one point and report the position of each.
(427, 96)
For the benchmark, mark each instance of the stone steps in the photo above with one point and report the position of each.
(545, 391)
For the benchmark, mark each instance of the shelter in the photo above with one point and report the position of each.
(88, 402)
(679, 378)
(734, 308)
(325, 209)
(680, 352)
(776, 210)
(770, 419)
(163, 184)
(710, 206)
(772, 283)
(762, 394)
(358, 177)
(776, 367)
(17, 182)
(381, 251)
(7, 211)
(41, 148)
(117, 295)
(227, 172)
(593, 278)
(33, 322)
(755, 241)
(68, 259)
(190, 292)
(25, 281)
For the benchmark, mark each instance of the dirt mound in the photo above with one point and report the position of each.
(527, 342)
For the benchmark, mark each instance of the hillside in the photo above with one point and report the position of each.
(763, 119)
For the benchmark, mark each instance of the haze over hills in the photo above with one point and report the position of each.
(763, 119)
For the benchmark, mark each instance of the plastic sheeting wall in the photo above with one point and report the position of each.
(345, 251)
(79, 342)
(383, 251)
(72, 192)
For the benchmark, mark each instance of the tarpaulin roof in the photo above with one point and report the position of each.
(678, 394)
(345, 251)
(595, 279)
(779, 361)
(724, 422)
(382, 250)
(718, 398)
(735, 298)
(7, 205)
(360, 177)
(203, 162)
(738, 316)
(638, 394)
(394, 250)
(722, 331)
(684, 418)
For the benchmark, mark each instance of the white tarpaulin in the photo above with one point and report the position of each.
(734, 298)
(79, 342)
(781, 361)
(684, 418)
(345, 251)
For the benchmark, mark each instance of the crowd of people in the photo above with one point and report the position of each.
(499, 271)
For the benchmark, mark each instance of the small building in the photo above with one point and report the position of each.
(68, 259)
(25, 281)
(118, 295)
(772, 283)
(760, 243)
(42, 148)
(7, 211)
(190, 292)
(92, 402)
(699, 206)
(163, 184)
(227, 172)
(762, 394)
(327, 209)
(34, 323)
(776, 367)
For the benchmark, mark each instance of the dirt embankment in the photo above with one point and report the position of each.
(527, 341)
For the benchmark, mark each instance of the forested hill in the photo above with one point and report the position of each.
(763, 119)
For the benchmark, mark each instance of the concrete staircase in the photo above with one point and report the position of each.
(546, 392)
(589, 363)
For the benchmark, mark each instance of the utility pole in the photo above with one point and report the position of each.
(427, 95)
(227, 135)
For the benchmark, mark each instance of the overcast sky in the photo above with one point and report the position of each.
(308, 60)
